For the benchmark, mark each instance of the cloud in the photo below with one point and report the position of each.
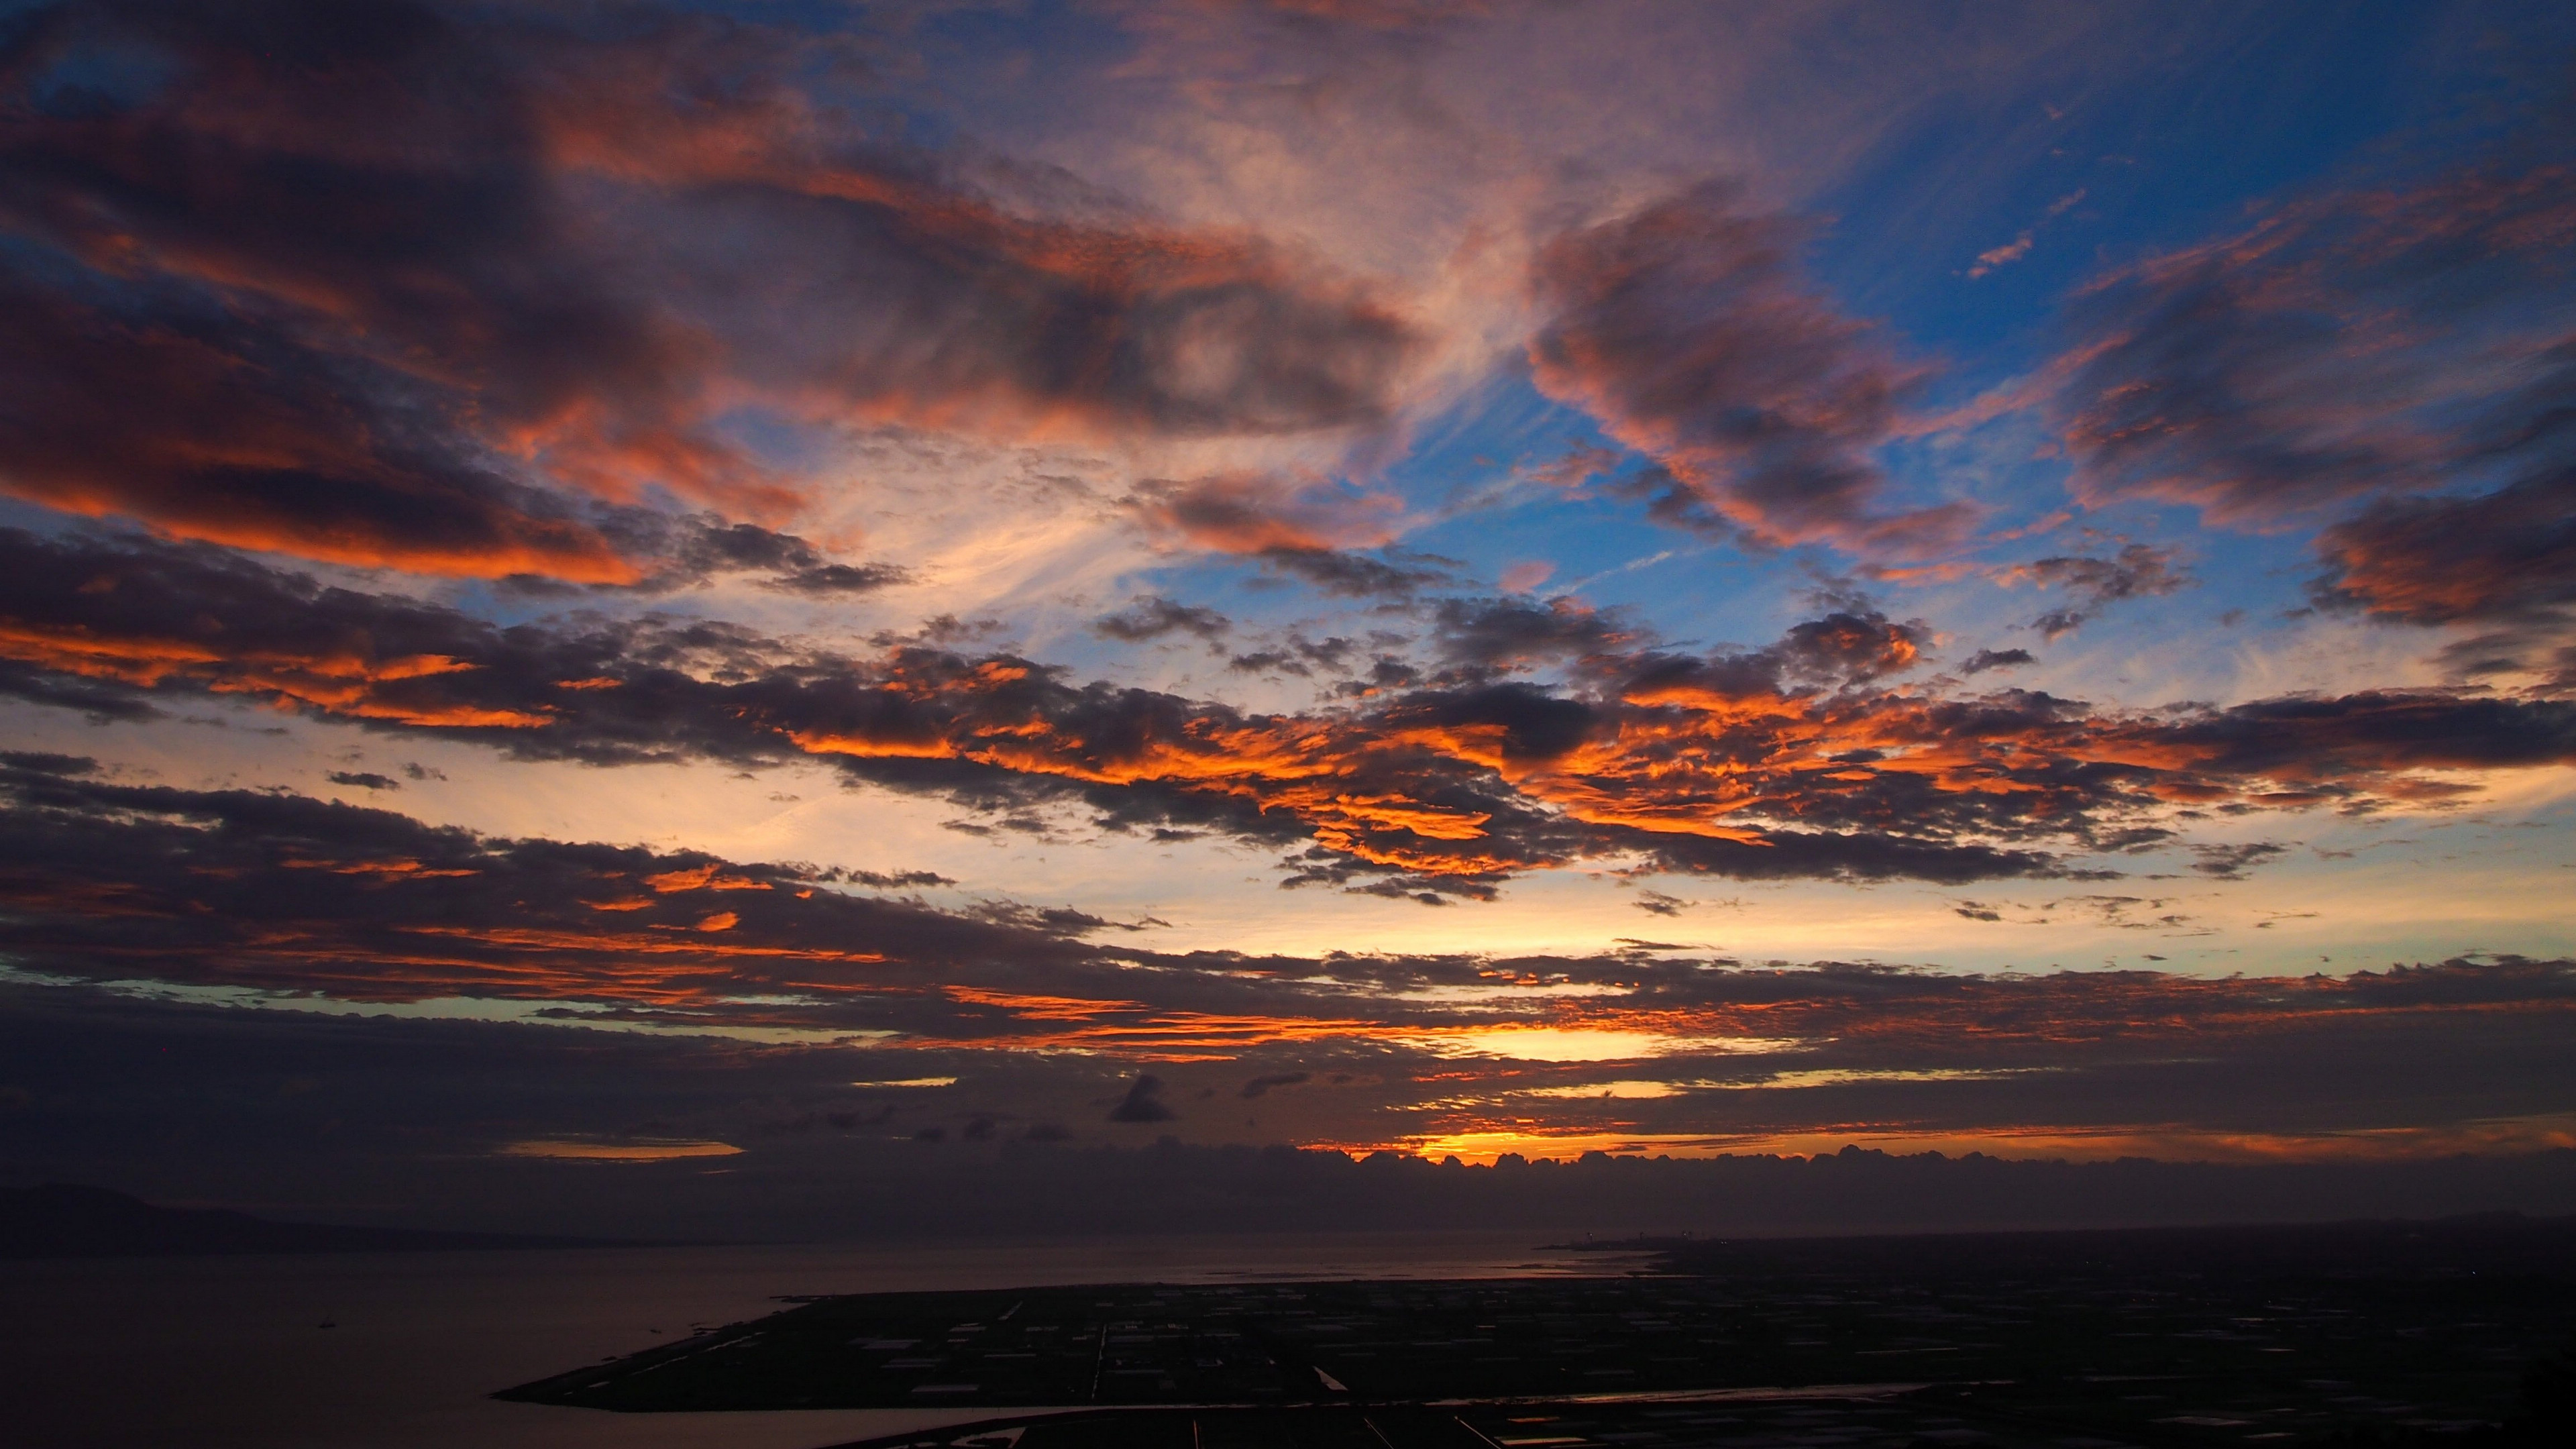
(363, 780)
(212, 429)
(688, 550)
(415, 292)
(1483, 637)
(1793, 760)
(1393, 573)
(1686, 330)
(2392, 362)
(2501, 562)
(1260, 1087)
(316, 903)
(2002, 256)
(1153, 617)
(2138, 571)
(2310, 360)
(1264, 514)
(1851, 648)
(1297, 655)
(1985, 659)
(1305, 529)
(204, 903)
(2502, 557)
(2019, 247)
(290, 894)
(1144, 1102)
(2230, 862)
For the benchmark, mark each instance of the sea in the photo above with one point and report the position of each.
(403, 1350)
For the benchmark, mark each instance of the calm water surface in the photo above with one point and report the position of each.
(219, 1352)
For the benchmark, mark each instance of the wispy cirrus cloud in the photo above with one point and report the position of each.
(415, 290)
(2326, 355)
(1685, 328)
(2500, 561)
(2390, 362)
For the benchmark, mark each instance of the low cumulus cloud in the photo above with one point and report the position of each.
(1154, 617)
(1798, 759)
(2091, 585)
(2232, 862)
(1483, 638)
(1985, 659)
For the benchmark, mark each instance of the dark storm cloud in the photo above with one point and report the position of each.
(1782, 762)
(1686, 329)
(390, 284)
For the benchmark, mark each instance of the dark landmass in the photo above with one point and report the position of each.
(2483, 1243)
(948, 1190)
(2391, 1331)
(65, 1221)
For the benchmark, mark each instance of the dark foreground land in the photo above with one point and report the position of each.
(2449, 1332)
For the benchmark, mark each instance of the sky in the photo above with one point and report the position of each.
(589, 587)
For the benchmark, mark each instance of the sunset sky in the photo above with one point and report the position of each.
(604, 583)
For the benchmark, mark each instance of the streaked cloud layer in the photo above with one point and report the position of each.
(1145, 561)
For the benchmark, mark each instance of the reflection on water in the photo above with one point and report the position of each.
(232, 1352)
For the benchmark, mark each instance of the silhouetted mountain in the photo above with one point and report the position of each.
(62, 1220)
